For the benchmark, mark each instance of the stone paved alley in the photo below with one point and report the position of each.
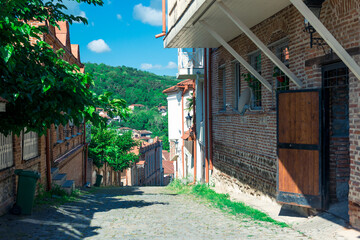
(137, 213)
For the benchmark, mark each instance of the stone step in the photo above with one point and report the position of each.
(59, 179)
(68, 186)
(54, 171)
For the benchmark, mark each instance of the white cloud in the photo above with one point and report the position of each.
(148, 66)
(118, 16)
(82, 14)
(148, 15)
(98, 46)
(171, 65)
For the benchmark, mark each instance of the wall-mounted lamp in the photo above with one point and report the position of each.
(315, 7)
(188, 120)
(176, 142)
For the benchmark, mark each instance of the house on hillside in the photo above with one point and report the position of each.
(162, 110)
(280, 115)
(67, 149)
(136, 106)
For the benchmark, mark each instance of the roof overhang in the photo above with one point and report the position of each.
(188, 33)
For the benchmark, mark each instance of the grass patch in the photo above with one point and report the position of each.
(56, 196)
(222, 202)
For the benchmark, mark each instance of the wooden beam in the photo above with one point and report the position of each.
(236, 55)
(258, 43)
(327, 36)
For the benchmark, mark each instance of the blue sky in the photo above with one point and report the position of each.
(122, 32)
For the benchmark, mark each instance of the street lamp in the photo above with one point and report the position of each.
(315, 7)
(188, 120)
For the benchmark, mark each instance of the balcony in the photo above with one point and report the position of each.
(190, 63)
(185, 16)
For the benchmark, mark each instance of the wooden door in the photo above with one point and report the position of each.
(299, 148)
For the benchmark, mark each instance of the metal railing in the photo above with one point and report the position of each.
(188, 60)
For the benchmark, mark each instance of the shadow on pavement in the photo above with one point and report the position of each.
(71, 220)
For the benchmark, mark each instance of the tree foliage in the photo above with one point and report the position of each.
(108, 146)
(136, 87)
(41, 88)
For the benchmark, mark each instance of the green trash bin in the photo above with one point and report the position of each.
(98, 180)
(26, 191)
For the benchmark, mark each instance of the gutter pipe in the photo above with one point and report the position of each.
(163, 20)
(206, 122)
(210, 113)
(194, 129)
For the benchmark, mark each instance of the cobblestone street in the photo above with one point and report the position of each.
(137, 213)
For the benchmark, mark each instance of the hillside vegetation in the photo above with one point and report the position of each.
(136, 87)
(131, 84)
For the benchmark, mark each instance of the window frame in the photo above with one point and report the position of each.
(237, 71)
(222, 80)
(278, 52)
(256, 104)
(29, 156)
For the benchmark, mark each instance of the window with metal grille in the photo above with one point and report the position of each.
(282, 81)
(237, 85)
(30, 145)
(254, 83)
(6, 151)
(222, 89)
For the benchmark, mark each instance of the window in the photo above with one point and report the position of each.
(30, 145)
(282, 81)
(237, 85)
(6, 151)
(255, 84)
(222, 88)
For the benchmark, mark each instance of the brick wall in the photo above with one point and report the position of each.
(245, 155)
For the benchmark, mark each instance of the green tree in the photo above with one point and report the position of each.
(108, 146)
(41, 88)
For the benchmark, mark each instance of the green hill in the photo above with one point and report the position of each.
(131, 84)
(136, 87)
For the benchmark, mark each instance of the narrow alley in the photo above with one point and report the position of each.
(137, 213)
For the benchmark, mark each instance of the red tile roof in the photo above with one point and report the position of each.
(140, 163)
(168, 167)
(166, 155)
(188, 82)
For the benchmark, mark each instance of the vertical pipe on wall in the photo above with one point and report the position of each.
(206, 119)
(210, 112)
(182, 126)
(163, 20)
(194, 129)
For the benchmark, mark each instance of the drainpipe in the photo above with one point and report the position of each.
(48, 164)
(183, 130)
(194, 129)
(210, 113)
(163, 20)
(206, 122)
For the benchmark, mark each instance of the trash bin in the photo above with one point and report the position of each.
(98, 180)
(26, 191)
